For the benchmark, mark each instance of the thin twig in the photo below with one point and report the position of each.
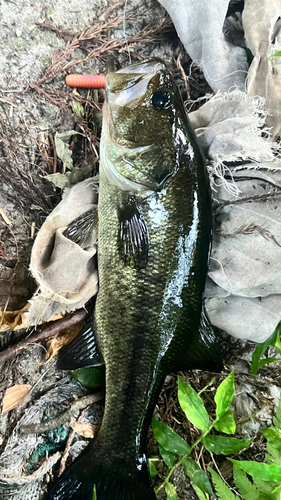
(55, 155)
(50, 331)
(64, 417)
(69, 443)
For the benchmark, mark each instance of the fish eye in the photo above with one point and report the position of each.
(162, 100)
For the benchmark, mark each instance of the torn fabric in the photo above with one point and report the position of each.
(64, 270)
(243, 292)
(200, 27)
(24, 462)
(262, 26)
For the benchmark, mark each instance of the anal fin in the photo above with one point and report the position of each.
(82, 352)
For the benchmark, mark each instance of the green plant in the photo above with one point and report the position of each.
(266, 477)
(175, 451)
(276, 54)
(274, 341)
(95, 492)
(265, 482)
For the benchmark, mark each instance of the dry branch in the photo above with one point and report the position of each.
(50, 331)
(64, 417)
(102, 42)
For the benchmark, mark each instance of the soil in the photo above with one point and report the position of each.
(40, 43)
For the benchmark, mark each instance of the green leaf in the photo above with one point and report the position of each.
(260, 470)
(74, 176)
(226, 423)
(263, 487)
(77, 107)
(266, 361)
(278, 342)
(261, 348)
(169, 439)
(63, 148)
(276, 54)
(222, 490)
(276, 490)
(221, 445)
(224, 395)
(277, 419)
(273, 456)
(171, 492)
(273, 436)
(246, 489)
(199, 493)
(169, 458)
(193, 406)
(152, 468)
(197, 476)
(90, 377)
(95, 492)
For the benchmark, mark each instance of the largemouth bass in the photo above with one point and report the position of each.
(153, 250)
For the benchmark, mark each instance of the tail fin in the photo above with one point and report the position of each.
(114, 480)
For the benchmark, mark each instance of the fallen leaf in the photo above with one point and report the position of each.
(14, 396)
(14, 320)
(5, 217)
(85, 430)
(62, 339)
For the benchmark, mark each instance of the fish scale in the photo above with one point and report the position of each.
(153, 250)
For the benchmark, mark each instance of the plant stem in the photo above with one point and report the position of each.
(208, 385)
(183, 458)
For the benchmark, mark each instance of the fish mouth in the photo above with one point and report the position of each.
(126, 86)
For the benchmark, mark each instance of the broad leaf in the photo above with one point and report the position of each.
(197, 476)
(246, 489)
(152, 468)
(273, 436)
(261, 348)
(193, 406)
(265, 361)
(224, 395)
(75, 175)
(273, 456)
(169, 439)
(63, 148)
(168, 457)
(15, 396)
(262, 471)
(199, 493)
(221, 445)
(264, 487)
(171, 492)
(226, 423)
(277, 490)
(90, 377)
(222, 490)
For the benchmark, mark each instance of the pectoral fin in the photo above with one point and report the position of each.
(82, 352)
(133, 236)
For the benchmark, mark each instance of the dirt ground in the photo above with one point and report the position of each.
(40, 43)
